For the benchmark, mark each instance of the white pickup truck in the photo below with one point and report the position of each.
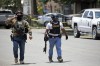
(89, 22)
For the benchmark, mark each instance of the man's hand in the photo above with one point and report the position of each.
(30, 37)
(46, 38)
(66, 37)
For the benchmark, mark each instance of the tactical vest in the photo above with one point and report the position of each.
(19, 27)
(55, 31)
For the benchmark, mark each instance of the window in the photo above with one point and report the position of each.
(85, 14)
(6, 12)
(97, 14)
(91, 14)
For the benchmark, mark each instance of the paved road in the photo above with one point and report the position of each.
(76, 52)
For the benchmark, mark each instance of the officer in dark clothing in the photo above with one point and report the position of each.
(20, 28)
(53, 31)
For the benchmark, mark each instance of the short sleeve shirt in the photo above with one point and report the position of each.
(49, 25)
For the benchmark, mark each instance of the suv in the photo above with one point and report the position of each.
(4, 14)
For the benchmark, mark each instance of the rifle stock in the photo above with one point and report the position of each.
(45, 48)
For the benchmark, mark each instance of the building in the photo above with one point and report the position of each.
(79, 5)
(53, 7)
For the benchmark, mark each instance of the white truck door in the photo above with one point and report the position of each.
(84, 21)
(88, 22)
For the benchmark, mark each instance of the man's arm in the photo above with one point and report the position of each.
(10, 21)
(46, 32)
(29, 30)
(63, 30)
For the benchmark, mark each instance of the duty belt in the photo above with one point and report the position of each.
(54, 35)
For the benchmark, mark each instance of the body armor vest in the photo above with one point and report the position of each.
(19, 27)
(55, 28)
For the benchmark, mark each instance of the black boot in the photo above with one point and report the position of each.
(50, 59)
(60, 59)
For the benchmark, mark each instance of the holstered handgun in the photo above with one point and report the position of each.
(25, 36)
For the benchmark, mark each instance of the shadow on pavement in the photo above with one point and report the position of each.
(24, 64)
(58, 62)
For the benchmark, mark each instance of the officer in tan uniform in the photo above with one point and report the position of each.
(20, 28)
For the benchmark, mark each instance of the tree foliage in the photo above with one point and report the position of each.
(10, 3)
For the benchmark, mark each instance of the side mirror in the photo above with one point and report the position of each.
(91, 17)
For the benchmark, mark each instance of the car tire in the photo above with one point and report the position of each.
(45, 23)
(76, 32)
(94, 33)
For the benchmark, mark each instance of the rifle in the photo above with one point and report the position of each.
(45, 47)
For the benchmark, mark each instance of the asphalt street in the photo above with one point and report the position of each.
(82, 51)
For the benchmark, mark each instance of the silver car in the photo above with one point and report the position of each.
(44, 19)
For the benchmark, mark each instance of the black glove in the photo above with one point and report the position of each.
(66, 37)
(46, 38)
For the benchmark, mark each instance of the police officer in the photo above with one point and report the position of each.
(53, 31)
(20, 28)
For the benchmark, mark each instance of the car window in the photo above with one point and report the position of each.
(48, 15)
(91, 14)
(85, 14)
(97, 14)
(5, 12)
(59, 15)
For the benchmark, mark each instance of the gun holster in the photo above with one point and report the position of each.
(25, 36)
(26, 30)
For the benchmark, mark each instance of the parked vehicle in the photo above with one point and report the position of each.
(89, 23)
(4, 14)
(44, 19)
(70, 16)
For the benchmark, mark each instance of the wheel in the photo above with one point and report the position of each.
(76, 32)
(94, 33)
(45, 23)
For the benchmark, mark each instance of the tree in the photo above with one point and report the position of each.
(5, 3)
(44, 1)
(15, 4)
